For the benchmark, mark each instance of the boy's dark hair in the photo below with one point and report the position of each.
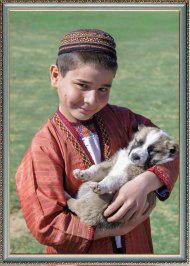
(70, 61)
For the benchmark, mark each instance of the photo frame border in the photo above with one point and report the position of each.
(183, 257)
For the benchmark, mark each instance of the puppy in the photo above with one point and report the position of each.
(149, 146)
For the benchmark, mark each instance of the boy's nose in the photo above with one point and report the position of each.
(90, 97)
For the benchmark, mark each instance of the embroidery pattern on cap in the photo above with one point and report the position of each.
(86, 40)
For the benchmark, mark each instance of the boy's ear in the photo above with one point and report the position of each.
(54, 75)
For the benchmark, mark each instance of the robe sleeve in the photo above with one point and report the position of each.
(40, 188)
(167, 172)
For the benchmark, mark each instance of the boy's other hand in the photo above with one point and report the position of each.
(125, 228)
(131, 199)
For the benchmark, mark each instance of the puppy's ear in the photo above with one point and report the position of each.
(136, 127)
(140, 126)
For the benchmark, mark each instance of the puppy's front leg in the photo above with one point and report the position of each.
(87, 174)
(96, 172)
(110, 184)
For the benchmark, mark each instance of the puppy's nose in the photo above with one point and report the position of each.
(135, 157)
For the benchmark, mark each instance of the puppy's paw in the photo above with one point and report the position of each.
(80, 174)
(97, 187)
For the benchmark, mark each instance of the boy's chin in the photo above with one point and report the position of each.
(83, 117)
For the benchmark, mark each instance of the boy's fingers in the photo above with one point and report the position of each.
(110, 210)
(114, 206)
(121, 212)
(130, 214)
(118, 215)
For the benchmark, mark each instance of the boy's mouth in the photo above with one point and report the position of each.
(85, 110)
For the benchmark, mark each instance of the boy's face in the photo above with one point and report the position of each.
(83, 91)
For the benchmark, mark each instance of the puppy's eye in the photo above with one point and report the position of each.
(140, 142)
(150, 148)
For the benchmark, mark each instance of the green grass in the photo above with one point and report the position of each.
(147, 82)
(19, 246)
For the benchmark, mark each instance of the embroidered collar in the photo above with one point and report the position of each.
(86, 131)
(76, 141)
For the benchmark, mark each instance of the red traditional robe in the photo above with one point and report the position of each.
(45, 173)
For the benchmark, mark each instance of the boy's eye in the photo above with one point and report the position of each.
(83, 86)
(103, 90)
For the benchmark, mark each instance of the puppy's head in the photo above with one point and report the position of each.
(151, 146)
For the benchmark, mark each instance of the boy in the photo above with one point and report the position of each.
(86, 130)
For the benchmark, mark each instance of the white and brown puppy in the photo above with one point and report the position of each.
(148, 147)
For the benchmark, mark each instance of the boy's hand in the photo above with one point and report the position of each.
(124, 228)
(131, 199)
